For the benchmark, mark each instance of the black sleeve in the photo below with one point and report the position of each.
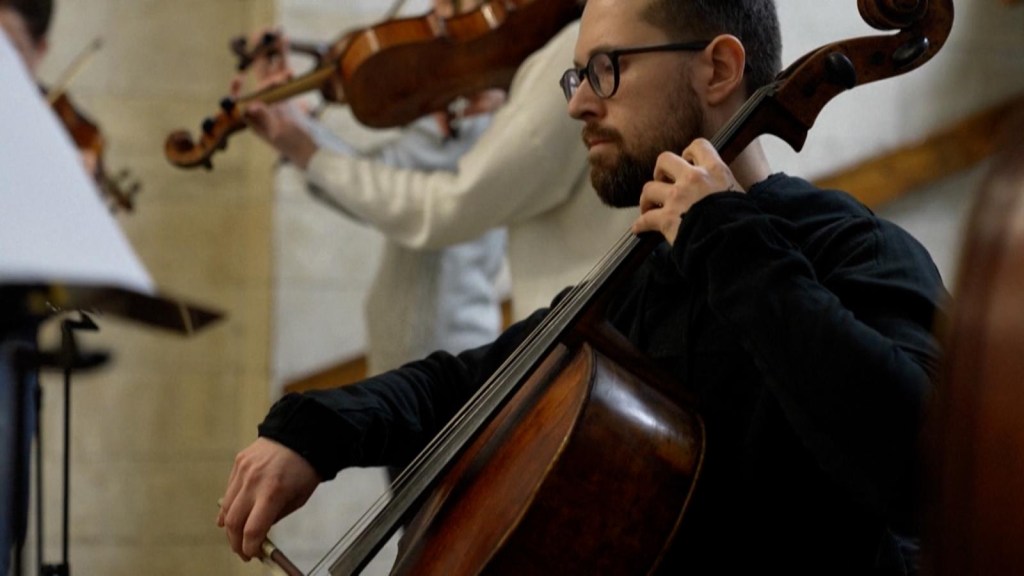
(841, 324)
(386, 419)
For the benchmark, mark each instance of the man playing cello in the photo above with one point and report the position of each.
(799, 321)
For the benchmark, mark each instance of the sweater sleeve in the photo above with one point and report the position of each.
(514, 172)
(842, 330)
(389, 418)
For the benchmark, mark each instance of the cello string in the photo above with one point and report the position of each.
(725, 137)
(449, 439)
(554, 322)
(500, 385)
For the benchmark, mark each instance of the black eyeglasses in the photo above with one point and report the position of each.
(602, 70)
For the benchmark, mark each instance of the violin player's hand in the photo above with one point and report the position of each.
(279, 124)
(283, 127)
(268, 482)
(680, 181)
(265, 61)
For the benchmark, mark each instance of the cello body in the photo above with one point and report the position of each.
(582, 434)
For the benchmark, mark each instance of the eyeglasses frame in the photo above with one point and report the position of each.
(584, 72)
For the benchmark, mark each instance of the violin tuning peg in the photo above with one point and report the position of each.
(208, 126)
(227, 104)
(238, 45)
(208, 164)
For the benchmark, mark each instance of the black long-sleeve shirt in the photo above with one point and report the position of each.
(800, 323)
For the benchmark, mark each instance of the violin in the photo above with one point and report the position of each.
(87, 138)
(532, 458)
(396, 71)
(89, 141)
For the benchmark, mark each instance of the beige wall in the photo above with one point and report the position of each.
(154, 432)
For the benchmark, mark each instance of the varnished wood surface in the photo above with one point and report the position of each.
(973, 494)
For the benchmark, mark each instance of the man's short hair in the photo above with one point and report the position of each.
(36, 14)
(754, 22)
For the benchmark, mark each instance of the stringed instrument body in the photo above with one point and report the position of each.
(406, 68)
(582, 434)
(975, 438)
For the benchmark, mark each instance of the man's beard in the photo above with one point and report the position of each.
(620, 183)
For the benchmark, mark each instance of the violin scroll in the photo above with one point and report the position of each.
(184, 152)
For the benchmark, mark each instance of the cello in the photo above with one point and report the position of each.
(398, 70)
(975, 438)
(532, 456)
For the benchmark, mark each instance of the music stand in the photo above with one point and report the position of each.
(60, 251)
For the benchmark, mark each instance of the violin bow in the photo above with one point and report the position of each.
(69, 73)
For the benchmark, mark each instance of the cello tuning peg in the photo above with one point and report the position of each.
(840, 70)
(909, 52)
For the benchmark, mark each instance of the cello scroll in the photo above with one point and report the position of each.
(789, 106)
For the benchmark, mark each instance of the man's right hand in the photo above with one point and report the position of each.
(268, 482)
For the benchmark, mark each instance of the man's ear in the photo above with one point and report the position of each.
(728, 60)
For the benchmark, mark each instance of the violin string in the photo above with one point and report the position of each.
(393, 11)
(499, 384)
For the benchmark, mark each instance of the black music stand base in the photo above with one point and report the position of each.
(67, 359)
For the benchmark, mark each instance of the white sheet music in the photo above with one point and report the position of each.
(54, 227)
